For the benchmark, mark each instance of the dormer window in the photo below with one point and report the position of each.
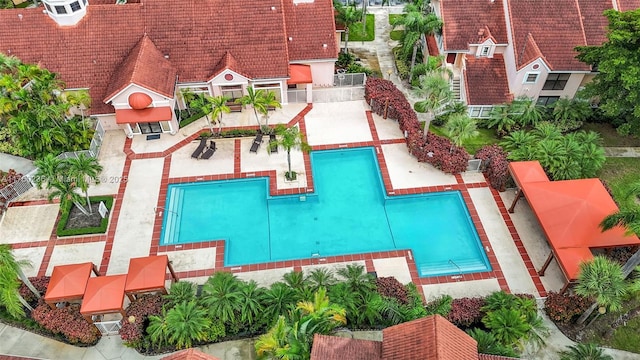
(66, 12)
(75, 6)
(61, 10)
(48, 8)
(485, 51)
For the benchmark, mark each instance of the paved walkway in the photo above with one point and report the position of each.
(622, 152)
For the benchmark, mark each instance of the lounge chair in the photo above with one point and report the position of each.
(256, 143)
(273, 146)
(198, 152)
(210, 150)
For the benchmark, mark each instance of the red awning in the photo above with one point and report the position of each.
(570, 213)
(300, 74)
(68, 282)
(131, 116)
(104, 295)
(147, 273)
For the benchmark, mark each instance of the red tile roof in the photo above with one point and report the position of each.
(556, 29)
(228, 62)
(463, 21)
(195, 34)
(486, 81)
(626, 5)
(595, 24)
(338, 348)
(145, 66)
(431, 337)
(305, 38)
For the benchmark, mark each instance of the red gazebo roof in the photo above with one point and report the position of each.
(570, 213)
(104, 295)
(68, 282)
(147, 273)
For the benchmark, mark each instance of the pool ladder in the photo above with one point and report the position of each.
(159, 213)
(456, 265)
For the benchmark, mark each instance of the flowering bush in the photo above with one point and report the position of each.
(40, 283)
(564, 308)
(391, 287)
(382, 95)
(496, 165)
(68, 322)
(465, 312)
(9, 177)
(138, 312)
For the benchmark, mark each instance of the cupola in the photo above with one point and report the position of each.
(66, 12)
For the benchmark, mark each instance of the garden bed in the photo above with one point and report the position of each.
(73, 222)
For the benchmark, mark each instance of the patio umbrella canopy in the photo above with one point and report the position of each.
(570, 213)
(147, 274)
(68, 282)
(104, 295)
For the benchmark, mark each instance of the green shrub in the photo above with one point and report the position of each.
(196, 115)
(396, 34)
(356, 68)
(64, 217)
(238, 133)
(401, 65)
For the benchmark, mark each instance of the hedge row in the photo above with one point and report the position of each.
(436, 150)
(64, 217)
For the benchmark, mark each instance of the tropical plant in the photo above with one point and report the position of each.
(488, 344)
(269, 101)
(221, 295)
(460, 128)
(449, 110)
(628, 216)
(325, 315)
(10, 275)
(502, 118)
(83, 170)
(584, 352)
(203, 102)
(346, 15)
(436, 92)
(527, 111)
(180, 292)
(508, 326)
(357, 279)
(277, 300)
(570, 113)
(321, 277)
(602, 279)
(220, 107)
(184, 324)
(290, 138)
(255, 99)
(251, 307)
(79, 99)
(416, 24)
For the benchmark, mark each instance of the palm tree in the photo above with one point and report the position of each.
(520, 145)
(185, 323)
(278, 300)
(219, 107)
(179, 292)
(436, 92)
(251, 308)
(10, 272)
(527, 111)
(628, 216)
(269, 101)
(221, 296)
(357, 279)
(254, 98)
(346, 15)
(584, 352)
(81, 100)
(502, 118)
(460, 128)
(202, 102)
(603, 280)
(567, 110)
(326, 316)
(50, 170)
(488, 344)
(416, 26)
(321, 277)
(507, 325)
(66, 192)
(290, 139)
(273, 344)
(83, 170)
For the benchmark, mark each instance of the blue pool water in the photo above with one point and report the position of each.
(348, 213)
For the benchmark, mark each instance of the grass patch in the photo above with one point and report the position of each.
(610, 136)
(393, 17)
(627, 337)
(619, 173)
(485, 137)
(357, 33)
(64, 217)
(396, 34)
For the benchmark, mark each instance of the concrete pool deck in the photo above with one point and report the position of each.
(138, 179)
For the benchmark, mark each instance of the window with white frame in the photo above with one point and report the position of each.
(485, 51)
(531, 77)
(556, 81)
(61, 9)
(75, 6)
(272, 87)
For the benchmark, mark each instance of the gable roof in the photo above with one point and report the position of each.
(338, 348)
(228, 62)
(431, 337)
(145, 66)
(595, 23)
(486, 80)
(464, 20)
(556, 29)
(194, 34)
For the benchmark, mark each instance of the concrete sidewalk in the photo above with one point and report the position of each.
(622, 151)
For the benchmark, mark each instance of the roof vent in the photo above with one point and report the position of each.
(324, 46)
(290, 38)
(20, 17)
(166, 56)
(273, 8)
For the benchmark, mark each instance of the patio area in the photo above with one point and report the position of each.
(140, 171)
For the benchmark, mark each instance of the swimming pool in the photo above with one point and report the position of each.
(348, 213)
